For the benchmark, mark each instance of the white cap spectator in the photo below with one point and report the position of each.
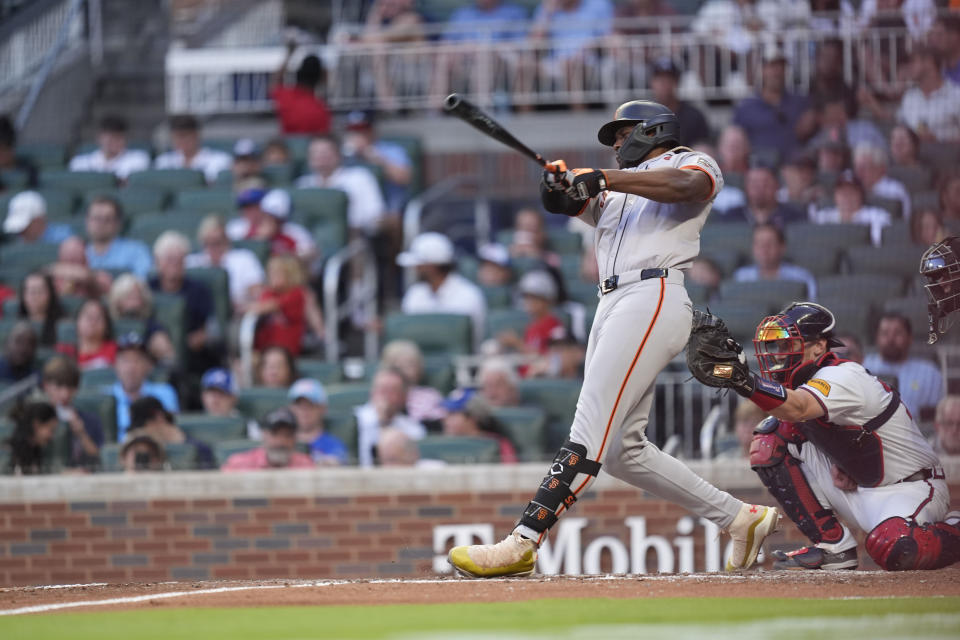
(276, 203)
(540, 284)
(23, 209)
(494, 252)
(309, 389)
(245, 147)
(427, 248)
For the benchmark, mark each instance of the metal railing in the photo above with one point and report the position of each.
(520, 72)
(361, 298)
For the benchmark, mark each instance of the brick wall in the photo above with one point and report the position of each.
(366, 534)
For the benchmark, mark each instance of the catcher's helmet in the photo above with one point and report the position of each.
(780, 338)
(941, 269)
(654, 126)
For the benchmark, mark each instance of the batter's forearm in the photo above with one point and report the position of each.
(662, 185)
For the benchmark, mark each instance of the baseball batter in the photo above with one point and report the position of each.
(648, 216)
(842, 444)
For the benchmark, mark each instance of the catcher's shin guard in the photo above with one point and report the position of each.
(555, 493)
(898, 544)
(781, 474)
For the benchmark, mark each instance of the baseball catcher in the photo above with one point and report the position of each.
(941, 269)
(839, 445)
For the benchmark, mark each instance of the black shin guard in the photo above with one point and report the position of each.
(555, 492)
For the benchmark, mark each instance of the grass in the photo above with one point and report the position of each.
(585, 619)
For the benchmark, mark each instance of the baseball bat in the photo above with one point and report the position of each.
(473, 115)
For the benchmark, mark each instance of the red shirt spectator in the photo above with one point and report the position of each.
(300, 111)
(283, 304)
(102, 357)
(256, 459)
(541, 331)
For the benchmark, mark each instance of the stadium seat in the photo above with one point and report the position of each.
(742, 317)
(498, 297)
(726, 261)
(699, 293)
(343, 425)
(260, 248)
(836, 236)
(29, 256)
(14, 179)
(500, 320)
(66, 331)
(225, 449)
(892, 206)
(212, 429)
(523, 264)
(325, 372)
(344, 397)
(929, 199)
(433, 332)
(297, 145)
(217, 281)
(279, 175)
(852, 315)
(558, 398)
(11, 307)
(916, 178)
(6, 430)
(77, 181)
(414, 148)
(897, 235)
(438, 372)
(583, 292)
(902, 261)
(103, 405)
(256, 402)
(181, 456)
(61, 203)
(862, 287)
(97, 378)
(148, 227)
(915, 309)
(775, 293)
(527, 427)
(726, 237)
(939, 154)
(170, 311)
(330, 234)
(205, 201)
(167, 179)
(44, 155)
(135, 201)
(459, 450)
(312, 206)
(110, 457)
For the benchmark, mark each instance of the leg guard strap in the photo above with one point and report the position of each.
(554, 492)
(787, 483)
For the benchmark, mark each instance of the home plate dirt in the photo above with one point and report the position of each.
(838, 584)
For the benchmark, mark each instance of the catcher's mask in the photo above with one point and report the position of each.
(941, 269)
(655, 126)
(780, 338)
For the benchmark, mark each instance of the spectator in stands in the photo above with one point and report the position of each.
(40, 305)
(279, 428)
(362, 147)
(494, 269)
(852, 348)
(736, 445)
(800, 186)
(733, 153)
(539, 293)
(27, 219)
(276, 368)
(946, 426)
(469, 416)
(308, 403)
(148, 417)
(366, 206)
(19, 353)
(71, 274)
(276, 152)
(833, 157)
(932, 106)
(170, 251)
(9, 160)
(131, 299)
(134, 367)
(424, 403)
(384, 409)
(244, 272)
(397, 449)
(94, 347)
(246, 162)
(285, 236)
(848, 196)
(775, 120)
(299, 108)
(640, 17)
(107, 250)
(760, 186)
(35, 424)
(565, 358)
(142, 453)
(705, 272)
(218, 395)
(530, 239)
(282, 305)
(904, 147)
(917, 16)
(245, 225)
(950, 196)
(828, 81)
(59, 382)
(112, 154)
(497, 382)
(389, 22)
(919, 380)
(439, 289)
(769, 247)
(926, 227)
(870, 167)
(664, 79)
(837, 118)
(187, 150)
(945, 40)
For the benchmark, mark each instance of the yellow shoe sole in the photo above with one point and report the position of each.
(460, 560)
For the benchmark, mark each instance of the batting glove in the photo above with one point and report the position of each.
(556, 176)
(587, 183)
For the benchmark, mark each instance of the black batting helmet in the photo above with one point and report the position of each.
(654, 125)
(780, 338)
(940, 267)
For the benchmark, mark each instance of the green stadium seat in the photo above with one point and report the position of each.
(312, 206)
(325, 372)
(14, 179)
(77, 181)
(498, 297)
(181, 456)
(135, 201)
(459, 450)
(11, 307)
(110, 457)
(527, 428)
(583, 292)
(256, 402)
(467, 266)
(438, 372)
(433, 332)
(330, 234)
(500, 320)
(61, 203)
(167, 179)
(916, 178)
(565, 242)
(225, 449)
(727, 261)
(523, 264)
(902, 261)
(937, 154)
(170, 311)
(915, 309)
(279, 175)
(343, 425)
(414, 148)
(558, 399)
(741, 317)
(726, 237)
(570, 267)
(43, 154)
(897, 235)
(344, 397)
(220, 144)
(862, 287)
(890, 205)
(205, 201)
(98, 378)
(66, 331)
(71, 304)
(6, 430)
(212, 429)
(29, 256)
(297, 145)
(775, 293)
(101, 404)
(817, 259)
(852, 315)
(837, 236)
(699, 293)
(260, 248)
(148, 227)
(218, 282)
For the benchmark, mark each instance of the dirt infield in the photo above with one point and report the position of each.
(854, 584)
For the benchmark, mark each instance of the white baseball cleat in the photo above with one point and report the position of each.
(749, 529)
(512, 556)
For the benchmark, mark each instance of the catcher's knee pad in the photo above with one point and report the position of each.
(554, 491)
(898, 544)
(769, 445)
(782, 476)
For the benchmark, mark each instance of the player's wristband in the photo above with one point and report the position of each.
(765, 394)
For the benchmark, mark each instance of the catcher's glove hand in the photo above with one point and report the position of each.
(715, 358)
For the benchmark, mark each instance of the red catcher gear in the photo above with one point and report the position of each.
(780, 338)
(897, 544)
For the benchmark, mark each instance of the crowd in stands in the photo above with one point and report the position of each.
(125, 276)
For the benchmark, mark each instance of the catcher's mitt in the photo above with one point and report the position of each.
(714, 357)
